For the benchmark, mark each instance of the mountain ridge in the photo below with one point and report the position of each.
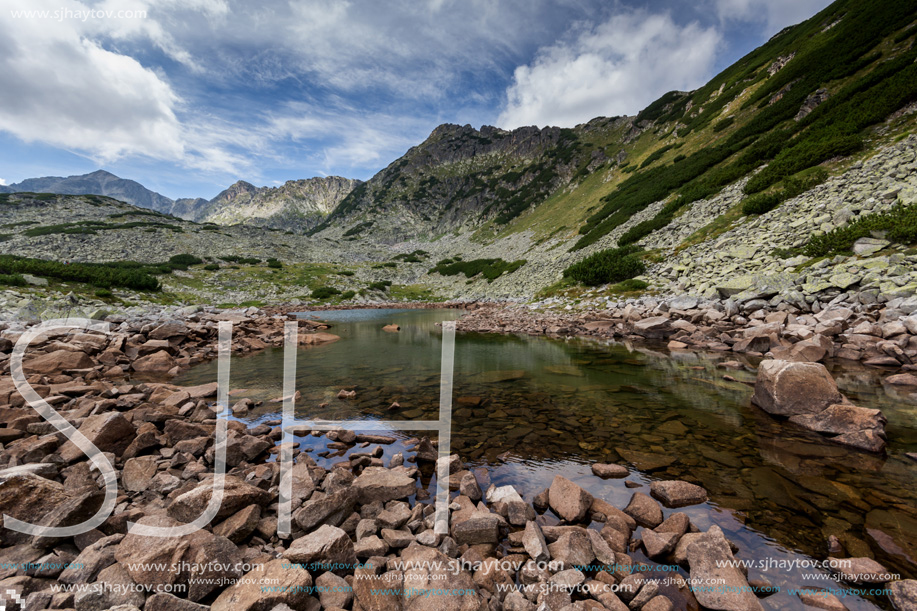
(298, 204)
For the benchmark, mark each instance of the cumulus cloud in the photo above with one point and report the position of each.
(66, 90)
(3, 182)
(64, 87)
(614, 68)
(773, 15)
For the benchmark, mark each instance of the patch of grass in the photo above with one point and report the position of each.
(411, 292)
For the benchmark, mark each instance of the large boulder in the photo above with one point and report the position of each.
(786, 388)
(57, 362)
(157, 363)
(269, 585)
(381, 484)
(654, 327)
(676, 493)
(427, 570)
(110, 432)
(849, 425)
(711, 561)
(327, 545)
(236, 495)
(568, 500)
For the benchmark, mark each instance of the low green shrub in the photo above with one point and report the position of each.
(104, 293)
(211, 267)
(185, 259)
(348, 294)
(607, 266)
(12, 280)
(274, 263)
(761, 203)
(898, 224)
(122, 274)
(325, 292)
(723, 124)
(241, 260)
(382, 285)
(491, 269)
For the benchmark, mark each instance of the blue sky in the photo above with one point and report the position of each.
(188, 96)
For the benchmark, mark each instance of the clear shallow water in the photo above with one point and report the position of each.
(526, 409)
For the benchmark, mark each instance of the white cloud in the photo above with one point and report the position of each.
(3, 182)
(774, 15)
(66, 90)
(62, 87)
(614, 68)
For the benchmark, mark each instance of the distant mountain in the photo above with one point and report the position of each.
(99, 182)
(297, 205)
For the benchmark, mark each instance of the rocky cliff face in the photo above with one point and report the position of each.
(462, 178)
(296, 205)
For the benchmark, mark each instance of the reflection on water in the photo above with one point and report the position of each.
(529, 408)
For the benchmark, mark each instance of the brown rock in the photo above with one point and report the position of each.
(902, 379)
(609, 470)
(710, 558)
(381, 484)
(236, 495)
(271, 584)
(644, 510)
(568, 500)
(676, 493)
(156, 363)
(138, 472)
(110, 432)
(239, 526)
(862, 571)
(904, 594)
(57, 362)
(314, 339)
(328, 544)
(787, 388)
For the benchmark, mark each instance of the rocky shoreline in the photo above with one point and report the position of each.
(369, 512)
(880, 335)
